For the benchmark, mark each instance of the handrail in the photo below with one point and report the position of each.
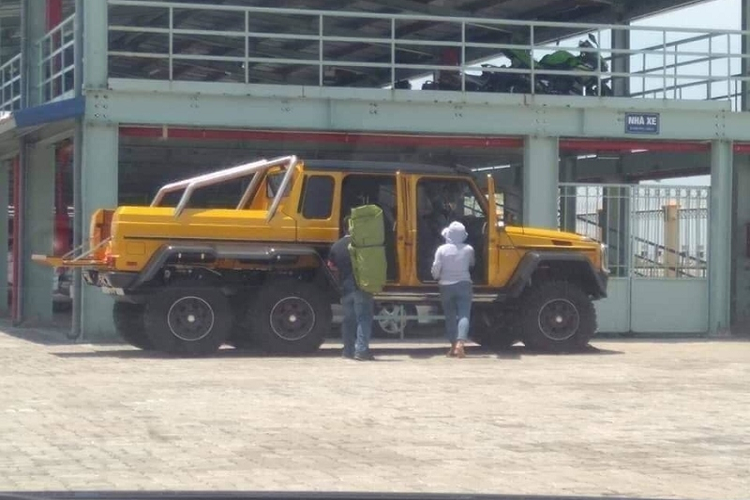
(312, 67)
(10, 84)
(55, 67)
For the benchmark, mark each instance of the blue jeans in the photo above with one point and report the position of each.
(456, 300)
(356, 327)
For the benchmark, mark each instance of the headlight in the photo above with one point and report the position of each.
(604, 256)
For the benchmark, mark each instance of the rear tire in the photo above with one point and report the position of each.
(557, 316)
(188, 321)
(129, 323)
(290, 316)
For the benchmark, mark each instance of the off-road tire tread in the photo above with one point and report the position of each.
(536, 297)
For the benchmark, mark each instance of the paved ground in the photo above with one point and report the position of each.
(660, 419)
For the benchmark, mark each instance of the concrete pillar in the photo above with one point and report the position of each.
(720, 236)
(540, 180)
(38, 167)
(33, 27)
(4, 194)
(95, 171)
(672, 260)
(98, 190)
(621, 62)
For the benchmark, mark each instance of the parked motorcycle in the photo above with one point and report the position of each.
(562, 60)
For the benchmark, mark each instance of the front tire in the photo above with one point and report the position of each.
(557, 316)
(290, 316)
(191, 321)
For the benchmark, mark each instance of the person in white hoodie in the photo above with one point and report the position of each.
(452, 268)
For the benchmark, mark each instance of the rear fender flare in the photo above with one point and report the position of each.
(203, 254)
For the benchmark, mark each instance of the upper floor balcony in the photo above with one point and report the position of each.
(224, 44)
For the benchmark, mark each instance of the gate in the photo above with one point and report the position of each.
(657, 239)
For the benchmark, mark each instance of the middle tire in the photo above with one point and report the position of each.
(188, 320)
(290, 316)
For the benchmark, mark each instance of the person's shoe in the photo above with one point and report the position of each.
(459, 350)
(452, 351)
(347, 355)
(364, 356)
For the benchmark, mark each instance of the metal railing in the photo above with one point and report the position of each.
(320, 48)
(651, 231)
(721, 68)
(56, 61)
(10, 85)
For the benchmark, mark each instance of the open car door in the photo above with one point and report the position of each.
(490, 231)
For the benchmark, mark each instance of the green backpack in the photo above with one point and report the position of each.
(367, 247)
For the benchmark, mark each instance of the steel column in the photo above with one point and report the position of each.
(33, 26)
(540, 180)
(38, 170)
(720, 236)
(78, 229)
(621, 63)
(98, 190)
(95, 43)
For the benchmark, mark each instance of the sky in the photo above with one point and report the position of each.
(717, 14)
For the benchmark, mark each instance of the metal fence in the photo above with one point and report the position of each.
(56, 60)
(10, 85)
(681, 58)
(651, 231)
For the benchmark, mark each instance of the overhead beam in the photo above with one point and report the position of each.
(349, 109)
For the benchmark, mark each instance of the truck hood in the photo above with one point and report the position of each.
(525, 236)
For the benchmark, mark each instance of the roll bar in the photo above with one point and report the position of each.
(228, 174)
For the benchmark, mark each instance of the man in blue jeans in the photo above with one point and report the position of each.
(358, 305)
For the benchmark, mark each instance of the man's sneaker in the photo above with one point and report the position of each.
(364, 356)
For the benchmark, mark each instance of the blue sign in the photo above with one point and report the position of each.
(641, 123)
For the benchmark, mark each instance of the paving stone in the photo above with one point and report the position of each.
(638, 418)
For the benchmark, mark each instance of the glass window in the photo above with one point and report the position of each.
(317, 201)
(273, 184)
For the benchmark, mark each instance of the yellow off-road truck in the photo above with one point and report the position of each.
(188, 277)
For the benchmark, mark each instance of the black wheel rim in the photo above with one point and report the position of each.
(190, 319)
(559, 319)
(292, 318)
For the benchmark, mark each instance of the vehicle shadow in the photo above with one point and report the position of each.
(387, 353)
